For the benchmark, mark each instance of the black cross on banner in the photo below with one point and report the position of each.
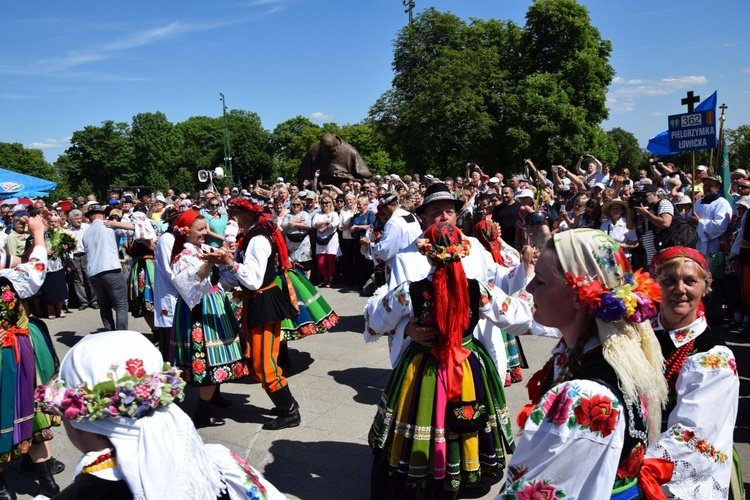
(690, 101)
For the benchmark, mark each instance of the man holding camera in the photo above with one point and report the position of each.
(647, 211)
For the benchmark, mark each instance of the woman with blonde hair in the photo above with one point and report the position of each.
(326, 240)
(596, 404)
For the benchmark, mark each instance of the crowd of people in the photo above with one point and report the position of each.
(638, 399)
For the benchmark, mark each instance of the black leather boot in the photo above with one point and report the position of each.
(218, 400)
(47, 485)
(287, 408)
(284, 360)
(203, 416)
(27, 465)
(5, 492)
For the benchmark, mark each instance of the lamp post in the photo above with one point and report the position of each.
(227, 152)
(409, 4)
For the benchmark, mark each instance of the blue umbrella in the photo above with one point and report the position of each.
(13, 184)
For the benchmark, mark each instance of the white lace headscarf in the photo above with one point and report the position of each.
(160, 455)
(631, 349)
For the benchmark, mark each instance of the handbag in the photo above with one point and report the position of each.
(296, 234)
(466, 416)
(323, 240)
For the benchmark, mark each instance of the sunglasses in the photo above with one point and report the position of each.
(296, 204)
(326, 203)
(212, 205)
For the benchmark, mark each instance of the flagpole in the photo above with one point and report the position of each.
(720, 158)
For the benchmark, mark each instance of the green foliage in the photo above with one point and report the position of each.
(629, 152)
(31, 162)
(495, 93)
(738, 142)
(157, 148)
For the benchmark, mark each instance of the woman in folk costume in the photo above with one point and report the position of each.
(701, 372)
(596, 404)
(206, 341)
(441, 422)
(488, 234)
(27, 359)
(116, 396)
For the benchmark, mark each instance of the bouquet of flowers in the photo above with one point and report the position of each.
(62, 241)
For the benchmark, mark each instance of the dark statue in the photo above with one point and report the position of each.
(337, 161)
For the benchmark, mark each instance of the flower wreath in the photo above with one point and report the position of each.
(133, 395)
(183, 230)
(444, 254)
(634, 300)
(248, 204)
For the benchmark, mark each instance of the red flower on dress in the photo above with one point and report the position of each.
(198, 366)
(135, 367)
(197, 335)
(687, 435)
(8, 296)
(598, 414)
(239, 370)
(631, 465)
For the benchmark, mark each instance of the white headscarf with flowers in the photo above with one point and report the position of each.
(160, 455)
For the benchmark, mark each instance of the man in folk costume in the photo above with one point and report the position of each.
(254, 267)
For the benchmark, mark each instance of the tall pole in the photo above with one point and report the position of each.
(409, 4)
(227, 151)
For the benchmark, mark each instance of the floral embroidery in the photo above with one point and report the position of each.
(717, 361)
(631, 465)
(702, 446)
(533, 491)
(598, 413)
(469, 412)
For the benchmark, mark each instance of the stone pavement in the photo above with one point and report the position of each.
(337, 380)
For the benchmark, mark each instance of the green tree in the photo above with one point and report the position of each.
(156, 147)
(252, 150)
(13, 156)
(203, 148)
(629, 152)
(290, 141)
(738, 140)
(103, 156)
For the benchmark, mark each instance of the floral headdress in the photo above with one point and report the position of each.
(673, 252)
(248, 204)
(443, 243)
(596, 268)
(133, 393)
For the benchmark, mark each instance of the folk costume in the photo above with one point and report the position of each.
(596, 404)
(27, 359)
(698, 423)
(141, 278)
(156, 451)
(258, 263)
(442, 421)
(488, 234)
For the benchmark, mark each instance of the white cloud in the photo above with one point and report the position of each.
(320, 117)
(618, 79)
(745, 70)
(50, 144)
(658, 113)
(635, 88)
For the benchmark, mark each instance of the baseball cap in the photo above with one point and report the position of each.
(160, 198)
(600, 185)
(310, 195)
(494, 180)
(279, 179)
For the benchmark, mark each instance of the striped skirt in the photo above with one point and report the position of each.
(410, 433)
(141, 287)
(315, 315)
(206, 344)
(513, 374)
(20, 424)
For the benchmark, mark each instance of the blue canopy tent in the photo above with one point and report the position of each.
(659, 144)
(13, 184)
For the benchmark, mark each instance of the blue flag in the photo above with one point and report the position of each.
(659, 144)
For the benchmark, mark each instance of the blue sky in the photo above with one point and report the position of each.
(66, 65)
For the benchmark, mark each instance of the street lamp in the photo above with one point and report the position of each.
(409, 4)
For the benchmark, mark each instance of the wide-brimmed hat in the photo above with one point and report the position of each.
(684, 200)
(713, 177)
(95, 209)
(740, 171)
(744, 201)
(524, 193)
(438, 191)
(613, 201)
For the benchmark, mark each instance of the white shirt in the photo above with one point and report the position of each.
(700, 428)
(619, 232)
(401, 230)
(714, 221)
(78, 232)
(165, 293)
(252, 269)
(100, 245)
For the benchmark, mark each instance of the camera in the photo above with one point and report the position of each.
(637, 199)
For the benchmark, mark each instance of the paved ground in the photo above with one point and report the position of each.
(337, 380)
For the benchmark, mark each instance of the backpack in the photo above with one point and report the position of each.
(680, 233)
